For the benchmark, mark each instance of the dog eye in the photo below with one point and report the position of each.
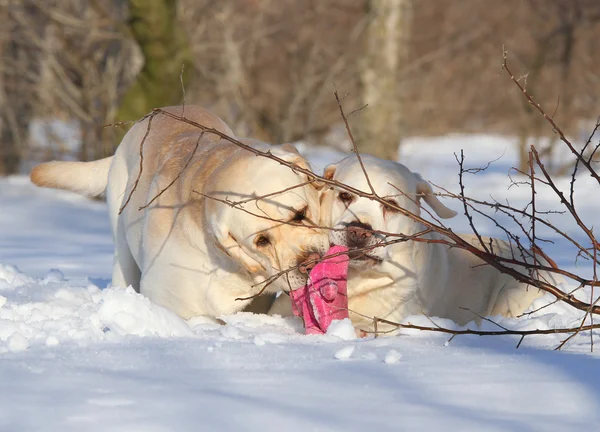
(262, 241)
(300, 215)
(391, 202)
(345, 197)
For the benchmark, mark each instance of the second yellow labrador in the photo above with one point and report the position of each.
(208, 238)
(407, 278)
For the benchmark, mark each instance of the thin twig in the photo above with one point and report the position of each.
(507, 332)
(462, 194)
(564, 201)
(534, 247)
(555, 127)
(137, 180)
(178, 174)
(354, 146)
(182, 89)
(576, 166)
(506, 209)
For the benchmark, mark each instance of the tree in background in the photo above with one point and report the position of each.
(16, 96)
(269, 68)
(165, 50)
(72, 65)
(386, 52)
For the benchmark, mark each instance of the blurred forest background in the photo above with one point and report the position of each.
(269, 68)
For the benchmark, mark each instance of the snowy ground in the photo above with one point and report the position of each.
(75, 355)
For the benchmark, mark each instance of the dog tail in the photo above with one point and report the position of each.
(84, 178)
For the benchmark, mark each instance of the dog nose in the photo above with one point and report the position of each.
(360, 230)
(359, 234)
(307, 263)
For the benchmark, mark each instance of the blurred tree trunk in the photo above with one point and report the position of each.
(531, 123)
(163, 43)
(15, 107)
(387, 48)
(11, 134)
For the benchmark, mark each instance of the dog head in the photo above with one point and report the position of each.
(361, 223)
(267, 216)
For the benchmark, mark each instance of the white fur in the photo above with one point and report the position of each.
(85, 178)
(414, 277)
(188, 253)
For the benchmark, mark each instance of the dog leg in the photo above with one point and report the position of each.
(125, 270)
(260, 304)
(282, 306)
(514, 299)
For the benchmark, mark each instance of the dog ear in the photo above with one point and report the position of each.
(425, 191)
(326, 196)
(293, 156)
(330, 171)
(289, 147)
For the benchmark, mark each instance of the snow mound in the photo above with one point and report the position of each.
(392, 357)
(125, 312)
(51, 310)
(345, 353)
(343, 329)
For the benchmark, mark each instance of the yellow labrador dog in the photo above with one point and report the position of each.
(191, 250)
(407, 278)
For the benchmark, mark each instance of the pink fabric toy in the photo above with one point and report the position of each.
(325, 297)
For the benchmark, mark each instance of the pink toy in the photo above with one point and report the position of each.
(325, 297)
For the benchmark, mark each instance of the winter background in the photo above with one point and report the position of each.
(78, 355)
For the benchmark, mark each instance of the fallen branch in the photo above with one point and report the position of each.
(505, 332)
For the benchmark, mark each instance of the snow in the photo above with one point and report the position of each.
(76, 355)
(343, 329)
(392, 357)
(345, 353)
